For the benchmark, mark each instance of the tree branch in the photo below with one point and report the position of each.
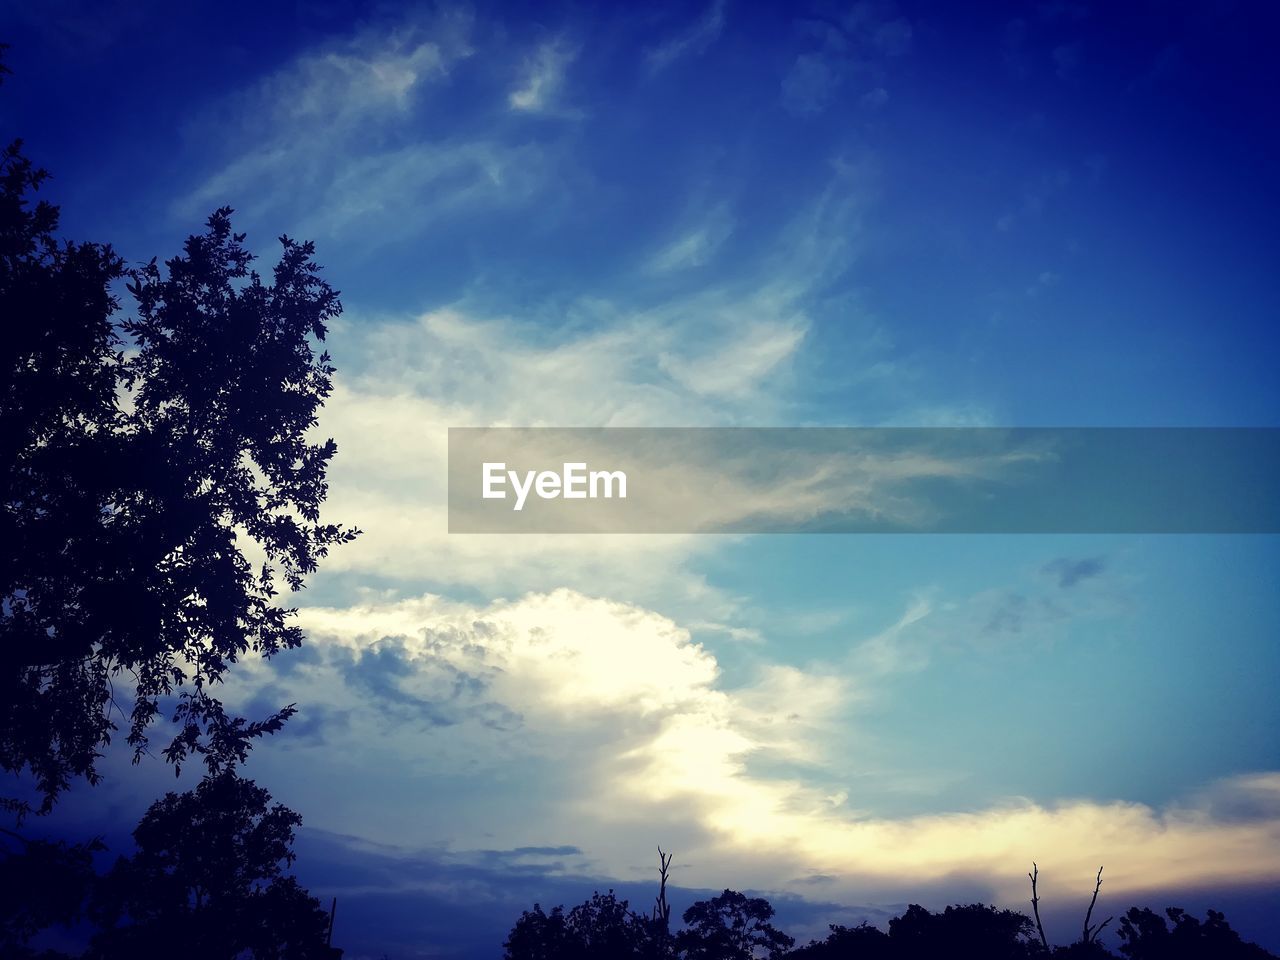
(1035, 903)
(1091, 933)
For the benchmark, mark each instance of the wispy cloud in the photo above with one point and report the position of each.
(543, 77)
(724, 353)
(852, 49)
(691, 41)
(344, 141)
(696, 245)
(810, 84)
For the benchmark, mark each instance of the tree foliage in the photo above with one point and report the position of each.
(209, 872)
(734, 926)
(1146, 936)
(140, 463)
(731, 926)
(602, 928)
(47, 883)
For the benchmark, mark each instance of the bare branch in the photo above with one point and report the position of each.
(1091, 933)
(662, 909)
(1035, 903)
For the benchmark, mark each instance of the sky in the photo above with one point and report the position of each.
(725, 214)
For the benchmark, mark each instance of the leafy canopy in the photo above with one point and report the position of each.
(141, 464)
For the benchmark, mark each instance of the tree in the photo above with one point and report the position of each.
(973, 931)
(209, 874)
(46, 884)
(1146, 936)
(731, 926)
(1088, 947)
(139, 462)
(602, 928)
(863, 942)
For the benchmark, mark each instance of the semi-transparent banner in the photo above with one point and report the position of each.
(864, 480)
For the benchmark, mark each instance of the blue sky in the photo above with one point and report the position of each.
(1054, 214)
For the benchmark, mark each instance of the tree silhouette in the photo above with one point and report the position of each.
(863, 942)
(46, 884)
(602, 928)
(973, 931)
(139, 461)
(209, 874)
(731, 926)
(539, 936)
(1146, 936)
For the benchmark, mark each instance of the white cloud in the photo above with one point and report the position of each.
(718, 356)
(345, 142)
(407, 189)
(630, 724)
(543, 77)
(448, 369)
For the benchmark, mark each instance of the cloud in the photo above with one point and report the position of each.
(634, 727)
(436, 180)
(696, 245)
(875, 98)
(543, 77)
(1066, 60)
(1249, 798)
(1068, 571)
(988, 620)
(810, 84)
(724, 353)
(1043, 281)
(1036, 195)
(855, 48)
(691, 41)
(349, 140)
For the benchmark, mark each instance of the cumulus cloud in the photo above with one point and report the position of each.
(637, 725)
(591, 715)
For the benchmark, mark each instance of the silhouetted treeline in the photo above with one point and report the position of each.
(733, 926)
